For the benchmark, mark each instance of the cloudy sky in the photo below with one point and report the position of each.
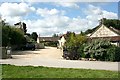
(47, 18)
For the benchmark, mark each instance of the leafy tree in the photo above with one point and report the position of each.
(115, 23)
(55, 35)
(74, 45)
(24, 28)
(5, 35)
(17, 36)
(68, 35)
(12, 36)
(34, 36)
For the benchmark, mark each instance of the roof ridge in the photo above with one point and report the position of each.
(115, 30)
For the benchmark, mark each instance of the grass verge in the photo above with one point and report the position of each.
(12, 71)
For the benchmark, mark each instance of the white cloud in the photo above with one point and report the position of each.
(109, 15)
(93, 10)
(45, 12)
(67, 4)
(15, 9)
(48, 25)
(55, 23)
(94, 14)
(54, 20)
(13, 12)
(12, 20)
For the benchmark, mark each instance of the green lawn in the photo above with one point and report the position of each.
(11, 71)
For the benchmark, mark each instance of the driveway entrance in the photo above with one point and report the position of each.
(52, 57)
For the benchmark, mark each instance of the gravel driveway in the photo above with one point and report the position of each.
(52, 57)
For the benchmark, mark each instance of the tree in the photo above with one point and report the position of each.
(34, 36)
(74, 44)
(24, 28)
(68, 35)
(55, 35)
(12, 36)
(115, 23)
(5, 35)
(17, 36)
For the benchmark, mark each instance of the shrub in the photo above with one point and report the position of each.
(113, 53)
(102, 50)
(117, 54)
(97, 49)
(74, 45)
(52, 44)
(110, 54)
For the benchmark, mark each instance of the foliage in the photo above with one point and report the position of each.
(68, 34)
(24, 28)
(5, 34)
(12, 36)
(12, 71)
(90, 30)
(115, 23)
(34, 36)
(74, 45)
(16, 36)
(101, 49)
(52, 44)
(113, 53)
(55, 35)
(97, 48)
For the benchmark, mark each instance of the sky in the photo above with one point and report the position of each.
(47, 18)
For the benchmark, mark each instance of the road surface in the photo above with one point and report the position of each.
(52, 57)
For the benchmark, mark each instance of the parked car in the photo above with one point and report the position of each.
(28, 46)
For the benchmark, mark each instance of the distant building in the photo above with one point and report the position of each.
(47, 39)
(60, 40)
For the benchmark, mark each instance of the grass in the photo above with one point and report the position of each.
(11, 71)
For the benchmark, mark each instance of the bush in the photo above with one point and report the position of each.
(117, 54)
(74, 45)
(80, 51)
(12, 36)
(97, 49)
(51, 44)
(102, 50)
(113, 53)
